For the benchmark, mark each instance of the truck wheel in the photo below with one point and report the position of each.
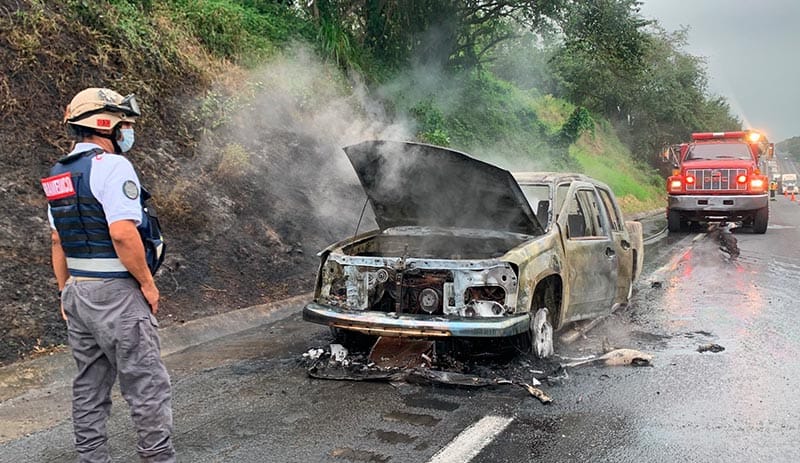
(674, 221)
(541, 334)
(761, 220)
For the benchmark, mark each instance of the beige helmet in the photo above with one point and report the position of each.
(101, 108)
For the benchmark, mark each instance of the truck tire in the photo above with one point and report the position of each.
(760, 221)
(674, 221)
(541, 334)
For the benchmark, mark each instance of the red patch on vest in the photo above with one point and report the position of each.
(58, 186)
(104, 122)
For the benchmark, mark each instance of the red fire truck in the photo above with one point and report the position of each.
(717, 177)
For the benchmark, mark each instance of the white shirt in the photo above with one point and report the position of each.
(107, 180)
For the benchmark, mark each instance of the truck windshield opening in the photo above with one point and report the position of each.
(719, 151)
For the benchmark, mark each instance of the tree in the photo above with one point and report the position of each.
(601, 61)
(447, 33)
(672, 100)
(635, 73)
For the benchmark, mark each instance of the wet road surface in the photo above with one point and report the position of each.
(247, 398)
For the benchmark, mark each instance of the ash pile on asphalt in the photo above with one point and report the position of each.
(722, 234)
(397, 360)
(429, 367)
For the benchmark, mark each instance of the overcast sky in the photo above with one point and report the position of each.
(753, 55)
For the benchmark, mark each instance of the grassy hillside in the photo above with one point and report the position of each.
(600, 154)
(520, 130)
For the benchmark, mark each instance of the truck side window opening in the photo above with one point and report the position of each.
(611, 210)
(575, 219)
(581, 218)
(589, 199)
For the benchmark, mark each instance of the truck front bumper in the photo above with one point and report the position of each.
(413, 325)
(718, 205)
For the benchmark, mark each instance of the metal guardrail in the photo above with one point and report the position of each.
(657, 236)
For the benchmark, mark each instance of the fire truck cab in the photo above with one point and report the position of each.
(717, 177)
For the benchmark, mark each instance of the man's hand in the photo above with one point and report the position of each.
(151, 294)
(130, 250)
(63, 314)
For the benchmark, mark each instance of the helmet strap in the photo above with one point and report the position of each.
(113, 137)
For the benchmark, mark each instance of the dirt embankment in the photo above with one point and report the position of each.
(244, 207)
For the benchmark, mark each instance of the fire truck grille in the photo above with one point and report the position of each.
(716, 179)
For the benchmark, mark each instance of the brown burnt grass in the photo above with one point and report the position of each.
(51, 50)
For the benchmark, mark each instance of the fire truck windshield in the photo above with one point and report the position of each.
(719, 151)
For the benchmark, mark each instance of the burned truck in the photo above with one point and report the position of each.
(465, 249)
(717, 178)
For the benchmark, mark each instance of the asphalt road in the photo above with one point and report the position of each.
(247, 397)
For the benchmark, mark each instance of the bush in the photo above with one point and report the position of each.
(431, 123)
(233, 163)
(245, 32)
(579, 121)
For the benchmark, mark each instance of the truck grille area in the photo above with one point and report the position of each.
(716, 179)
(468, 288)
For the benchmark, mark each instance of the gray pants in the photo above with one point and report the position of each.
(112, 332)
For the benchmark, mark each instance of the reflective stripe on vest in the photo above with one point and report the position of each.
(94, 265)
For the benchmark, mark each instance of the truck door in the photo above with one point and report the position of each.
(590, 254)
(626, 257)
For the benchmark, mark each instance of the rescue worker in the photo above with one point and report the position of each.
(105, 250)
(773, 187)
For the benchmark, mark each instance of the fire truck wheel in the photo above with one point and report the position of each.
(674, 221)
(761, 220)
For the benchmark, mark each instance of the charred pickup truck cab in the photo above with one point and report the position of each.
(466, 249)
(717, 177)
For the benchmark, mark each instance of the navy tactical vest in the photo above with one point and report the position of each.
(81, 223)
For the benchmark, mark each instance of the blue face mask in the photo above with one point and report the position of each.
(127, 140)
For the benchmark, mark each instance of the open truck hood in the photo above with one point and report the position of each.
(412, 184)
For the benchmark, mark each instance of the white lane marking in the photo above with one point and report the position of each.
(472, 440)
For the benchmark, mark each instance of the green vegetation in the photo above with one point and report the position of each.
(789, 146)
(586, 86)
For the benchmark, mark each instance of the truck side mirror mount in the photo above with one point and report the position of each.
(671, 155)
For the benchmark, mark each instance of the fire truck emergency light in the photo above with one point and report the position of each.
(713, 135)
